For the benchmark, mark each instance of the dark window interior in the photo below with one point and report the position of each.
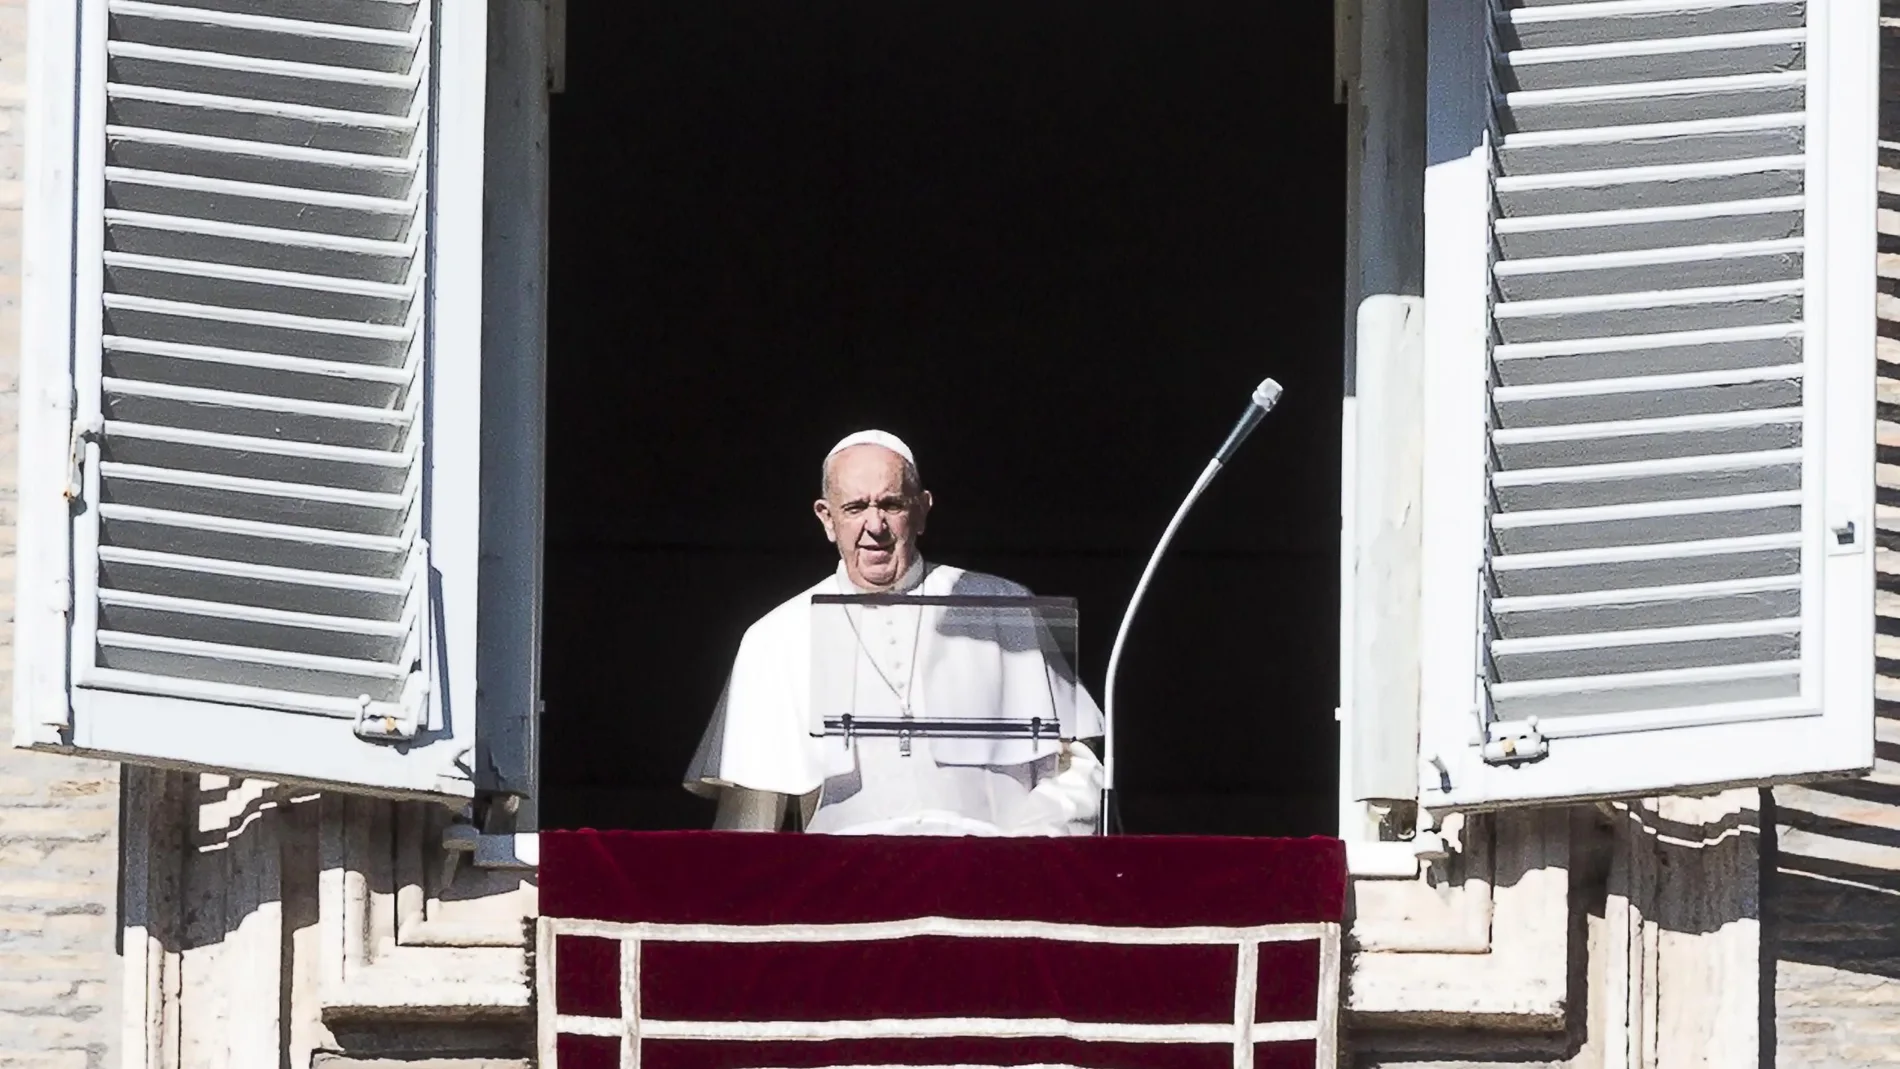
(1053, 244)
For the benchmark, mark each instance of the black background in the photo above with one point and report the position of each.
(1051, 243)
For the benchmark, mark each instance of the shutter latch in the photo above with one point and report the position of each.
(1514, 742)
(1846, 537)
(394, 721)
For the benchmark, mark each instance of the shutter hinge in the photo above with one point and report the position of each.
(1514, 742)
(86, 430)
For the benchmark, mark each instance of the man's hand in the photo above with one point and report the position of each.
(1074, 794)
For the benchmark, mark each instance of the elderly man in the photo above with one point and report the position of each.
(760, 750)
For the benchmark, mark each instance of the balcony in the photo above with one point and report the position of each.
(703, 950)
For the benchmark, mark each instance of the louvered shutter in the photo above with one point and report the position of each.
(1650, 357)
(275, 241)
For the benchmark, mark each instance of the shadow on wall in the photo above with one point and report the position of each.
(235, 899)
(1642, 876)
(1833, 891)
(1834, 898)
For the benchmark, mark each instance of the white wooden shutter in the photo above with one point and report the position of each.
(273, 217)
(1650, 361)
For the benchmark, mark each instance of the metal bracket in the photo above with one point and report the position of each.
(1430, 846)
(1428, 839)
(515, 850)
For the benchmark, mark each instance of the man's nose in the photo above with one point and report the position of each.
(878, 523)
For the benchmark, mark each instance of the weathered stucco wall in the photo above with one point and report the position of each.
(58, 817)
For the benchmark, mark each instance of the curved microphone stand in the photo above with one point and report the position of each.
(1265, 396)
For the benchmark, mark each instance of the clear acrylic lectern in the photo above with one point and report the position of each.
(996, 671)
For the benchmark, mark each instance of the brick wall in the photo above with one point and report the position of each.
(1833, 899)
(58, 816)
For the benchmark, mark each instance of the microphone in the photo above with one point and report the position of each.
(1265, 396)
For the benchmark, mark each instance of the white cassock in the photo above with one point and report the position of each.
(762, 736)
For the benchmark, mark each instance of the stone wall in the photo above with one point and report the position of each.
(58, 816)
(1834, 884)
(272, 926)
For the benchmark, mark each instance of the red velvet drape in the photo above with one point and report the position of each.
(707, 877)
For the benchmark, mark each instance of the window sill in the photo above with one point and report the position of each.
(1375, 861)
(1382, 860)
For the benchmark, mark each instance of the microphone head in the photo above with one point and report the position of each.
(1267, 394)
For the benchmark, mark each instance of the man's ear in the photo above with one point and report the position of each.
(822, 510)
(924, 501)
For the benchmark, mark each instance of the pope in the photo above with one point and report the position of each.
(764, 748)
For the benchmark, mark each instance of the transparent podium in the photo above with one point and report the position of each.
(987, 679)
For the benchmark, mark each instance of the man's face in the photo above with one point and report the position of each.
(871, 516)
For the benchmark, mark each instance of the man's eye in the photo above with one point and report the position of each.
(854, 508)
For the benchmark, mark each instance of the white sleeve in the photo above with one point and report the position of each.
(758, 736)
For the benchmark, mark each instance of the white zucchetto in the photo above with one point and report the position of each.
(884, 438)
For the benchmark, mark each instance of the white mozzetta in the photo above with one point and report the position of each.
(1650, 358)
(267, 482)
